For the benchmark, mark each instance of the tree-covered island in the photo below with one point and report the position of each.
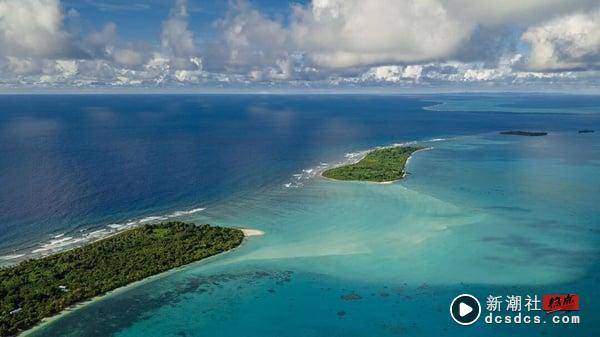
(39, 288)
(524, 133)
(381, 165)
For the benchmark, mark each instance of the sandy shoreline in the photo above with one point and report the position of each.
(248, 232)
(410, 157)
(251, 232)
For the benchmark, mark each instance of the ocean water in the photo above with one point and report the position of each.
(480, 213)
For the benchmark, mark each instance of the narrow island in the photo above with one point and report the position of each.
(524, 133)
(586, 131)
(40, 288)
(381, 166)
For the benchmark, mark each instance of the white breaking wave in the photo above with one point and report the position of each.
(300, 179)
(153, 219)
(182, 213)
(11, 257)
(61, 242)
(54, 245)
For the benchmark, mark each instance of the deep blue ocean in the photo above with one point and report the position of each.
(480, 213)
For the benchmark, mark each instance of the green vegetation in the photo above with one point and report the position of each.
(379, 165)
(523, 133)
(40, 288)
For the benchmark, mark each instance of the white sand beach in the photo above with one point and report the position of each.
(251, 232)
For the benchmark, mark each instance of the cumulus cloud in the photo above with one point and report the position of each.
(35, 49)
(130, 57)
(393, 73)
(570, 42)
(252, 44)
(32, 28)
(177, 41)
(346, 33)
(104, 44)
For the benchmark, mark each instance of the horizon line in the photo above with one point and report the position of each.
(155, 91)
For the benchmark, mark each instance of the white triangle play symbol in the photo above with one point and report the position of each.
(464, 309)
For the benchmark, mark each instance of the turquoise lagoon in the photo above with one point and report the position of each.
(483, 214)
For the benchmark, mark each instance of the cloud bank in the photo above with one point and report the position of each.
(571, 42)
(323, 43)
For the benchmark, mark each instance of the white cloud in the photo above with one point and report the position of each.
(104, 44)
(384, 73)
(566, 43)
(106, 36)
(413, 71)
(67, 68)
(19, 66)
(393, 73)
(176, 40)
(333, 35)
(32, 28)
(454, 72)
(351, 33)
(522, 12)
(387, 42)
(252, 44)
(338, 33)
(128, 57)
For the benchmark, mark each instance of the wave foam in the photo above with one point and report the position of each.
(299, 179)
(11, 257)
(62, 242)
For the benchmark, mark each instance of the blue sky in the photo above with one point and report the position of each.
(143, 19)
(397, 45)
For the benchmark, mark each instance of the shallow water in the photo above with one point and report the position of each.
(480, 213)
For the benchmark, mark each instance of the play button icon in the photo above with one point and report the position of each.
(465, 309)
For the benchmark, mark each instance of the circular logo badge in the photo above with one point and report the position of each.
(465, 309)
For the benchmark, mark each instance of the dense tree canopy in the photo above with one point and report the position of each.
(40, 288)
(379, 165)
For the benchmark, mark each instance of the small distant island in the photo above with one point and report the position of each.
(586, 131)
(381, 165)
(524, 133)
(39, 288)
